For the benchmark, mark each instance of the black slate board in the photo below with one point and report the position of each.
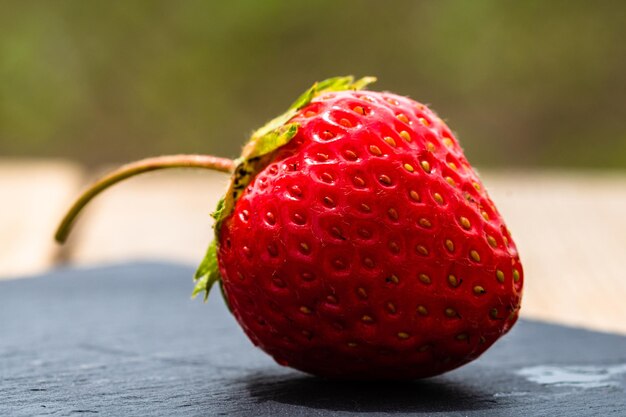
(128, 341)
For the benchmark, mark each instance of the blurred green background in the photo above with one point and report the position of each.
(533, 83)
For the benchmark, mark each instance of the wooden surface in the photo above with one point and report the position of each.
(570, 228)
(164, 216)
(33, 196)
(128, 341)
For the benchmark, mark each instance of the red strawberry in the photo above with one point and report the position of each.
(356, 241)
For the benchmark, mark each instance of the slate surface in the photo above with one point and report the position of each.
(128, 341)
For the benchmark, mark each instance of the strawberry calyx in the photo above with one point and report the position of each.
(255, 156)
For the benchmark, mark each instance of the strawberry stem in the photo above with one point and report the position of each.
(136, 168)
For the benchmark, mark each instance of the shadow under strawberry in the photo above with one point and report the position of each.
(429, 395)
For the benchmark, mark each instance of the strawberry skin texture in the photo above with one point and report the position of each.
(368, 247)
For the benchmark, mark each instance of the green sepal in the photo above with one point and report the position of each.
(219, 209)
(208, 272)
(254, 157)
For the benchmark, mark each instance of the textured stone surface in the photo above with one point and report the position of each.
(127, 340)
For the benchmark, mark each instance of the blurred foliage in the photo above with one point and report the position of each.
(522, 83)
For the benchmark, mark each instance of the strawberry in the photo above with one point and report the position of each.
(355, 240)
